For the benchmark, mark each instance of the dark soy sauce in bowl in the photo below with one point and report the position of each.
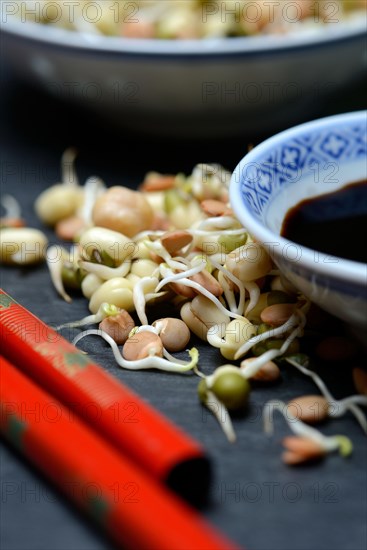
(334, 223)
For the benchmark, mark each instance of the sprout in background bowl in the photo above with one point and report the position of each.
(187, 19)
(204, 69)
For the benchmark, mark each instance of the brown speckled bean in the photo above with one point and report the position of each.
(118, 326)
(209, 282)
(205, 279)
(173, 241)
(277, 314)
(269, 372)
(301, 449)
(69, 228)
(174, 333)
(215, 208)
(142, 344)
(309, 408)
(157, 182)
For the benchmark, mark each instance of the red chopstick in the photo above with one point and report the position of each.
(137, 511)
(113, 410)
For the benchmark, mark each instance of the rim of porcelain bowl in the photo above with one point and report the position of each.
(353, 28)
(347, 270)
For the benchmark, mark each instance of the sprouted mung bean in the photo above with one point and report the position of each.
(188, 19)
(217, 278)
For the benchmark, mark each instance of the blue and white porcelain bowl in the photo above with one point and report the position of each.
(305, 161)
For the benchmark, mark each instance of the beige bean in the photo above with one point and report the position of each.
(133, 278)
(195, 324)
(118, 326)
(22, 245)
(143, 267)
(309, 408)
(89, 285)
(141, 251)
(238, 331)
(69, 228)
(142, 344)
(209, 314)
(360, 380)
(276, 284)
(174, 333)
(184, 215)
(277, 314)
(117, 291)
(254, 314)
(173, 241)
(105, 241)
(301, 449)
(209, 244)
(156, 201)
(249, 262)
(123, 210)
(269, 372)
(58, 202)
(336, 348)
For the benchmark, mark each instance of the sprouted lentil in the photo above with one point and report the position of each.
(309, 443)
(336, 408)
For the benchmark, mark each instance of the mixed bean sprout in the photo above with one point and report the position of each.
(187, 19)
(176, 240)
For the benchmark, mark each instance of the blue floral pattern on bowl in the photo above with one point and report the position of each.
(282, 166)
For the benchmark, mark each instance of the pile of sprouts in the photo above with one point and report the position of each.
(187, 19)
(177, 240)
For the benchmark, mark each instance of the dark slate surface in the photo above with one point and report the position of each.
(256, 500)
